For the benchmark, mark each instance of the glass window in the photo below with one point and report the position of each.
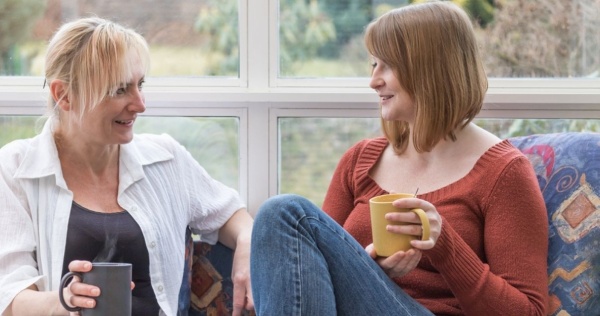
(519, 39)
(505, 128)
(212, 141)
(18, 127)
(310, 148)
(186, 38)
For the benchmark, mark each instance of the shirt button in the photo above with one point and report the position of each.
(152, 244)
(160, 288)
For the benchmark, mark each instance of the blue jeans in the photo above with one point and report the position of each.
(303, 263)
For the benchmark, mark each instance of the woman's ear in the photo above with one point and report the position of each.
(58, 90)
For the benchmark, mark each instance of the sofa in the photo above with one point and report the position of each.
(567, 166)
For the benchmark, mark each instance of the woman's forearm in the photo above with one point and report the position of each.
(33, 302)
(238, 227)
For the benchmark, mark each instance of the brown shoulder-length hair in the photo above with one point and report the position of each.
(432, 50)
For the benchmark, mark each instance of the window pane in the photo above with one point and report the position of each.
(553, 38)
(18, 127)
(212, 141)
(505, 128)
(186, 38)
(310, 148)
(550, 38)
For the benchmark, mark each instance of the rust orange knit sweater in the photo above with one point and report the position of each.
(490, 258)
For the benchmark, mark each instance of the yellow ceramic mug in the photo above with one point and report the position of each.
(387, 243)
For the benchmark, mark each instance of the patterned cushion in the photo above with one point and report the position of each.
(568, 170)
(207, 289)
(185, 290)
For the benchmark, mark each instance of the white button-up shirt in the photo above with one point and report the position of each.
(160, 184)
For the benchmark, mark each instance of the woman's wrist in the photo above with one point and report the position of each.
(244, 237)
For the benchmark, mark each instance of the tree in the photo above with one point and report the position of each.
(219, 22)
(551, 38)
(303, 29)
(349, 18)
(481, 11)
(17, 18)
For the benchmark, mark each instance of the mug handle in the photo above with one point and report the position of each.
(63, 284)
(424, 222)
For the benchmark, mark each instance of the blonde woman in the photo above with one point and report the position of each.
(88, 187)
(487, 250)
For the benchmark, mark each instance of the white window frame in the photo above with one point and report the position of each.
(259, 98)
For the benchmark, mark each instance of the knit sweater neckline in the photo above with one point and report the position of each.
(373, 152)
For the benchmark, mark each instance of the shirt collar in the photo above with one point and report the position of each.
(134, 156)
(41, 158)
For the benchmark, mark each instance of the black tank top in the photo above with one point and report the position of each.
(112, 237)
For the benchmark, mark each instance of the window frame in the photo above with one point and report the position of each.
(259, 98)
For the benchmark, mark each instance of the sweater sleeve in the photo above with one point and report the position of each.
(339, 200)
(513, 278)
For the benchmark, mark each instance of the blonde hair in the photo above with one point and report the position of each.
(93, 56)
(432, 50)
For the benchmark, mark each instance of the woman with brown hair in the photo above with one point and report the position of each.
(487, 250)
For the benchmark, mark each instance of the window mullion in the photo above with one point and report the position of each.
(257, 38)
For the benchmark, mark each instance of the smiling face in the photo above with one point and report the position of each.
(111, 121)
(95, 69)
(395, 102)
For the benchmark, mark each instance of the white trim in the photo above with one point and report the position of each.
(15, 97)
(258, 156)
(243, 37)
(274, 145)
(258, 49)
(273, 33)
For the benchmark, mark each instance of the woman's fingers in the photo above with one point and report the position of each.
(81, 289)
(400, 263)
(77, 293)
(75, 297)
(422, 244)
(407, 229)
(370, 249)
(412, 223)
(80, 266)
(81, 301)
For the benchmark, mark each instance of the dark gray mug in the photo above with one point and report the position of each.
(114, 281)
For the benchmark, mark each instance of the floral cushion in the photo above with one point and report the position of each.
(568, 170)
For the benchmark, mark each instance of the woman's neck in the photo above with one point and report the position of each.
(75, 153)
